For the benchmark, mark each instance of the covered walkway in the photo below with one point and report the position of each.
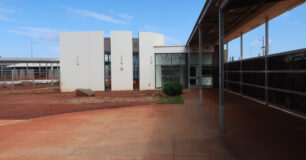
(253, 130)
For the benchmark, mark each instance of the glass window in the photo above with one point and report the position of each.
(193, 71)
(163, 59)
(178, 59)
(206, 71)
(170, 67)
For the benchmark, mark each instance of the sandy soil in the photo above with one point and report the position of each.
(25, 106)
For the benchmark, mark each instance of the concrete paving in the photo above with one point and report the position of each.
(144, 132)
(161, 132)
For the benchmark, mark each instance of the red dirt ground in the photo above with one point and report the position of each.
(188, 131)
(26, 86)
(26, 106)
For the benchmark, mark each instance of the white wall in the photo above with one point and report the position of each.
(82, 60)
(170, 49)
(147, 41)
(121, 60)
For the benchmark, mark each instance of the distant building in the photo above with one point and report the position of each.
(121, 62)
(29, 68)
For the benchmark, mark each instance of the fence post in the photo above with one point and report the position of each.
(221, 71)
(200, 63)
(12, 85)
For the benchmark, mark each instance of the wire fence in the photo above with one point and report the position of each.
(31, 80)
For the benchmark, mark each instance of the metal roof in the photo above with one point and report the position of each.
(29, 60)
(240, 16)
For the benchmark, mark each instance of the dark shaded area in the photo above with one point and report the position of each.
(286, 76)
(253, 131)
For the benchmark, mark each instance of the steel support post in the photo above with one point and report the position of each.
(188, 67)
(200, 63)
(52, 75)
(241, 68)
(266, 62)
(221, 71)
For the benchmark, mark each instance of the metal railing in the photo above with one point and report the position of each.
(277, 79)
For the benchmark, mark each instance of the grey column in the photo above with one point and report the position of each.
(241, 69)
(200, 63)
(38, 71)
(266, 62)
(188, 66)
(221, 71)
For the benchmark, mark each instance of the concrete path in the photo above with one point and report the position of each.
(145, 132)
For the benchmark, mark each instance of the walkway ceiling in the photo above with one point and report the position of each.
(240, 16)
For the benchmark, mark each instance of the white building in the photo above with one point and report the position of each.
(121, 62)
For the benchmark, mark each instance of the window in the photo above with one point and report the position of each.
(170, 67)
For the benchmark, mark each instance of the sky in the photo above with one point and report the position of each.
(39, 22)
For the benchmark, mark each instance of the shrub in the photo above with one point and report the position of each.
(173, 88)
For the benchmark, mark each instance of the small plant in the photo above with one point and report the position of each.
(173, 88)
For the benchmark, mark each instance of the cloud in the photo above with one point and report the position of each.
(97, 16)
(36, 32)
(4, 12)
(5, 18)
(125, 16)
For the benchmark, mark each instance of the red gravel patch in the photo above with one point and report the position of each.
(25, 106)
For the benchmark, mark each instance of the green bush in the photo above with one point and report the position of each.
(173, 88)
